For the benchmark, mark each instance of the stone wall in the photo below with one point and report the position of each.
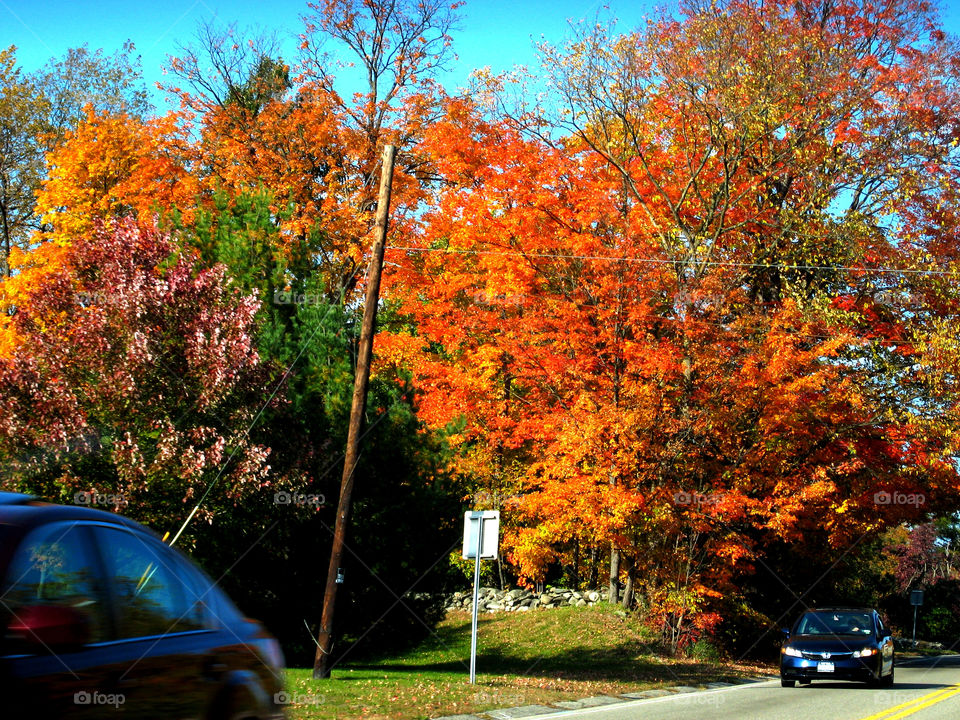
(493, 600)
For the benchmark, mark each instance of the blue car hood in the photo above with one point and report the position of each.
(831, 643)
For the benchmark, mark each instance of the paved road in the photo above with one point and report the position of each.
(925, 690)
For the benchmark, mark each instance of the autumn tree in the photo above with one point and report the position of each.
(295, 131)
(114, 165)
(731, 276)
(257, 212)
(733, 161)
(22, 111)
(134, 377)
(109, 167)
(401, 47)
(85, 79)
(40, 109)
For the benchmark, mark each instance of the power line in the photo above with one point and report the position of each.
(662, 261)
(727, 326)
(744, 331)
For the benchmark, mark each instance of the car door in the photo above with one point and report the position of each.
(242, 657)
(160, 632)
(55, 568)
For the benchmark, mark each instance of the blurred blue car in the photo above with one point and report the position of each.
(100, 616)
(842, 643)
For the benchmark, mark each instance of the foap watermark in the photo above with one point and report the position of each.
(902, 299)
(98, 698)
(283, 297)
(499, 697)
(90, 497)
(284, 497)
(293, 698)
(888, 698)
(701, 699)
(486, 297)
(899, 498)
(87, 298)
(696, 498)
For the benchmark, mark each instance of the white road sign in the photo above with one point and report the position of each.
(491, 534)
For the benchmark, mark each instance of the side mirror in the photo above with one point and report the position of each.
(48, 627)
(785, 631)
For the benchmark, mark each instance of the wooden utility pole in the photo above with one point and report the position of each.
(321, 663)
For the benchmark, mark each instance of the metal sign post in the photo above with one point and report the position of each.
(916, 599)
(476, 608)
(481, 534)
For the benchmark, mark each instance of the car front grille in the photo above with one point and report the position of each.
(832, 656)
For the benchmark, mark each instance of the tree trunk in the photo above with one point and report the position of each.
(6, 240)
(628, 588)
(594, 570)
(614, 591)
(575, 580)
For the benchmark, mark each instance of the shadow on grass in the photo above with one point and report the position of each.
(572, 667)
(631, 660)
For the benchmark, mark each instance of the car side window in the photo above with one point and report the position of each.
(151, 598)
(55, 565)
(881, 630)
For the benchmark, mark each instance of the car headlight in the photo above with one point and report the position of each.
(791, 651)
(866, 652)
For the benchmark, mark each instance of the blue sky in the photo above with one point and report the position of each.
(498, 33)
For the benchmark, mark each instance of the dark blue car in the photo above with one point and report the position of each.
(845, 643)
(100, 616)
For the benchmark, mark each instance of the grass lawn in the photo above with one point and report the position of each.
(536, 657)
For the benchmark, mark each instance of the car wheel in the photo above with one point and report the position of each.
(787, 683)
(888, 680)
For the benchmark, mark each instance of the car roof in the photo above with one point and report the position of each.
(15, 498)
(840, 608)
(28, 511)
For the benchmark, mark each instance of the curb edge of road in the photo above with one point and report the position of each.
(533, 711)
(927, 657)
(543, 712)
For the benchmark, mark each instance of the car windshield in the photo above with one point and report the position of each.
(834, 623)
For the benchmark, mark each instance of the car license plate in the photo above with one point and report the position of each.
(825, 667)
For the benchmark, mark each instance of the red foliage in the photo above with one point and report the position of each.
(128, 353)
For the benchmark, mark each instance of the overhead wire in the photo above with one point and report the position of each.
(665, 261)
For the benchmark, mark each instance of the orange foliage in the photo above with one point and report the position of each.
(110, 166)
(115, 166)
(316, 165)
(664, 332)
(664, 319)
